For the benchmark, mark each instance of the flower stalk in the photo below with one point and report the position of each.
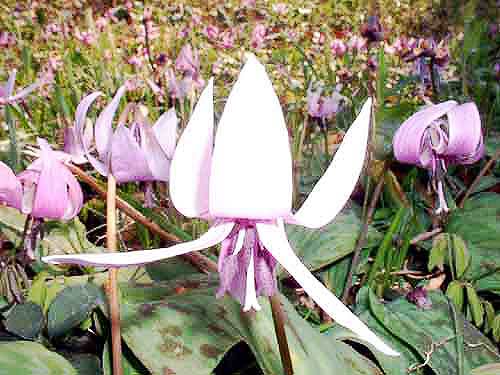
(114, 302)
(279, 327)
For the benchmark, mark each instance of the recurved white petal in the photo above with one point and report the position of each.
(274, 238)
(215, 235)
(333, 190)
(190, 167)
(251, 166)
(165, 130)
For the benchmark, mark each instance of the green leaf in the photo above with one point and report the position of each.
(478, 225)
(25, 320)
(455, 293)
(26, 357)
(475, 305)
(438, 252)
(130, 364)
(180, 327)
(85, 364)
(434, 329)
(461, 255)
(60, 237)
(489, 311)
(490, 369)
(71, 306)
(319, 248)
(496, 328)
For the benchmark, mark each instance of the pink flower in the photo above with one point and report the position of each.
(211, 32)
(244, 185)
(86, 37)
(46, 189)
(356, 44)
(188, 61)
(7, 91)
(227, 39)
(338, 48)
(248, 3)
(280, 8)
(258, 36)
(429, 141)
(140, 152)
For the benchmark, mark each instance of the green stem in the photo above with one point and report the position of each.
(9, 119)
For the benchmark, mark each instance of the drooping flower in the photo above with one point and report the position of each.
(188, 62)
(46, 189)
(244, 185)
(140, 152)
(372, 30)
(338, 48)
(7, 95)
(258, 36)
(323, 108)
(430, 141)
(420, 298)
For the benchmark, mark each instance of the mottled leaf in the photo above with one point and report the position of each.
(25, 320)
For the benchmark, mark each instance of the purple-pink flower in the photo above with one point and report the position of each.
(431, 141)
(258, 36)
(243, 184)
(323, 108)
(7, 95)
(46, 189)
(139, 152)
(338, 48)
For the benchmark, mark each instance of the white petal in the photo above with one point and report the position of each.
(251, 166)
(212, 237)
(274, 239)
(190, 168)
(333, 190)
(250, 293)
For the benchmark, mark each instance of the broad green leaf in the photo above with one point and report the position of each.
(180, 327)
(72, 306)
(490, 369)
(461, 255)
(489, 311)
(26, 357)
(130, 364)
(59, 237)
(455, 293)
(25, 320)
(478, 225)
(475, 305)
(438, 252)
(85, 364)
(496, 328)
(434, 329)
(319, 248)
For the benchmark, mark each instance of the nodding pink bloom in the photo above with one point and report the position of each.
(227, 39)
(356, 44)
(211, 32)
(248, 3)
(323, 108)
(318, 37)
(140, 152)
(258, 36)
(136, 60)
(372, 29)
(338, 48)
(244, 185)
(7, 39)
(188, 61)
(86, 37)
(419, 297)
(175, 88)
(46, 189)
(431, 141)
(101, 23)
(280, 8)
(7, 95)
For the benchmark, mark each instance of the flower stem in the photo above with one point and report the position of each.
(279, 327)
(197, 259)
(114, 303)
